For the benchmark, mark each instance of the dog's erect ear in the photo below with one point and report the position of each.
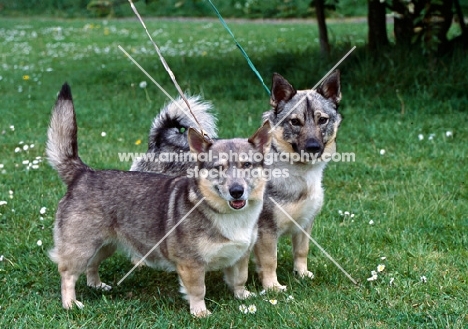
(197, 142)
(262, 138)
(331, 87)
(281, 90)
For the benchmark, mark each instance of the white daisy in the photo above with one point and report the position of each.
(103, 134)
(421, 137)
(423, 279)
(43, 210)
(371, 222)
(373, 276)
(143, 84)
(380, 268)
(382, 152)
(39, 243)
(244, 309)
(449, 133)
(273, 301)
(252, 309)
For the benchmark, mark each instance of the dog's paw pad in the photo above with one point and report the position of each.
(104, 287)
(101, 286)
(275, 287)
(279, 288)
(137, 261)
(201, 314)
(306, 274)
(68, 305)
(244, 294)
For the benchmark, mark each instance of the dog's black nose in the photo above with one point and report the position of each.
(236, 191)
(313, 146)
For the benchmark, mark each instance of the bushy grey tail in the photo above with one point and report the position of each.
(62, 143)
(169, 130)
(176, 118)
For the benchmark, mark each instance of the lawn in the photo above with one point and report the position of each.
(405, 118)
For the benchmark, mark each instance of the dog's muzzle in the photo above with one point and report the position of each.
(314, 146)
(237, 191)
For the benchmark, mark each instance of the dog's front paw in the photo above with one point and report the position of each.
(104, 287)
(305, 274)
(68, 305)
(101, 286)
(200, 313)
(137, 261)
(276, 286)
(243, 293)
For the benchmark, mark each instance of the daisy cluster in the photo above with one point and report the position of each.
(32, 162)
(378, 271)
(431, 136)
(252, 309)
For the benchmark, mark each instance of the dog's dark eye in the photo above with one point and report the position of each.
(322, 120)
(247, 165)
(182, 130)
(295, 122)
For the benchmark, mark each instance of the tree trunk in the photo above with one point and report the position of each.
(377, 26)
(403, 22)
(322, 27)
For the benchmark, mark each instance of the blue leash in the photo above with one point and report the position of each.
(252, 66)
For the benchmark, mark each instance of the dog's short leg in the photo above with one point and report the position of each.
(266, 258)
(92, 270)
(192, 278)
(236, 277)
(300, 244)
(68, 278)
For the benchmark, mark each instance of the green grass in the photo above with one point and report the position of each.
(415, 193)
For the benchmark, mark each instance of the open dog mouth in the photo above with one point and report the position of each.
(237, 204)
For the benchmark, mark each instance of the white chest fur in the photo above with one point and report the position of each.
(301, 179)
(240, 230)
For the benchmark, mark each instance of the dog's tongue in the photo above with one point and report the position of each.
(237, 204)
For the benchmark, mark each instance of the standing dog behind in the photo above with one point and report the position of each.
(308, 130)
(305, 126)
(103, 209)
